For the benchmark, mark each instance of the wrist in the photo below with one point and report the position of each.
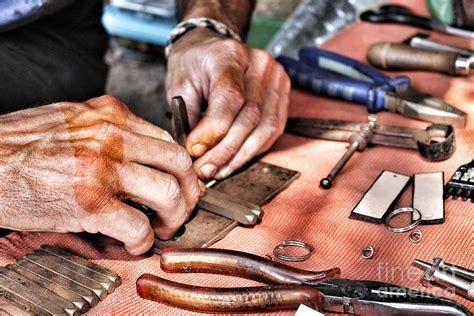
(195, 31)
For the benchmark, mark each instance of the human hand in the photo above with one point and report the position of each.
(247, 93)
(68, 167)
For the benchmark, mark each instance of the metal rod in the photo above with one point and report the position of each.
(434, 273)
(86, 273)
(111, 275)
(57, 279)
(54, 299)
(27, 298)
(326, 183)
(65, 293)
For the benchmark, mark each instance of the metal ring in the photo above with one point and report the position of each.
(415, 236)
(406, 228)
(292, 243)
(370, 250)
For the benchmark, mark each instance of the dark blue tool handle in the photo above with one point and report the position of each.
(327, 83)
(321, 59)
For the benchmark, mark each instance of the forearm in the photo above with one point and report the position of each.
(234, 14)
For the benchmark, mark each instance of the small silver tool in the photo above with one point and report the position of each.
(448, 275)
(421, 40)
(358, 142)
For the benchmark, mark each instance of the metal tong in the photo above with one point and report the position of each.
(434, 143)
(341, 77)
(288, 288)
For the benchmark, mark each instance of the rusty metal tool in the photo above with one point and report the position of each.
(289, 288)
(52, 281)
(40, 292)
(448, 275)
(111, 275)
(28, 299)
(63, 292)
(94, 286)
(398, 56)
(358, 142)
(435, 143)
(69, 265)
(59, 280)
(216, 202)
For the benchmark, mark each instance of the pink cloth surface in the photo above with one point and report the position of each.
(308, 213)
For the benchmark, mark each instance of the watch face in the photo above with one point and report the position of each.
(164, 8)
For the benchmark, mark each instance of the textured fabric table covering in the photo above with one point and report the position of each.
(306, 212)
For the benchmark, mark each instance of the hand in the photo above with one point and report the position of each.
(247, 93)
(67, 167)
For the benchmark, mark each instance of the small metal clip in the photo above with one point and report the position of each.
(367, 252)
(415, 236)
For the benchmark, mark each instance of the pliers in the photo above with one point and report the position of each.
(339, 76)
(289, 288)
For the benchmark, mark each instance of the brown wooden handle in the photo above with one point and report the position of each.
(387, 55)
(237, 263)
(204, 299)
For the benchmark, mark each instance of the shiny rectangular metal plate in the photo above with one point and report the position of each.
(380, 197)
(428, 197)
(257, 184)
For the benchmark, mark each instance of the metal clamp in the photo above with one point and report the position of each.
(293, 243)
(406, 228)
(415, 236)
(367, 252)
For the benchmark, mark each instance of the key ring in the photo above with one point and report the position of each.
(406, 228)
(415, 236)
(293, 243)
(367, 252)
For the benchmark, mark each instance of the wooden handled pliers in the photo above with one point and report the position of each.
(289, 287)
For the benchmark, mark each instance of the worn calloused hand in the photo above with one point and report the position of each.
(68, 167)
(247, 94)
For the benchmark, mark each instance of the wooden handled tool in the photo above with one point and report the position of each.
(396, 56)
(291, 286)
(205, 299)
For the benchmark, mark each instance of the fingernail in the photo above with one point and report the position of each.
(202, 188)
(198, 150)
(208, 170)
(224, 173)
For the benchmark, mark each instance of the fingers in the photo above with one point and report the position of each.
(271, 126)
(111, 109)
(245, 122)
(226, 98)
(160, 192)
(148, 151)
(125, 224)
(192, 95)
